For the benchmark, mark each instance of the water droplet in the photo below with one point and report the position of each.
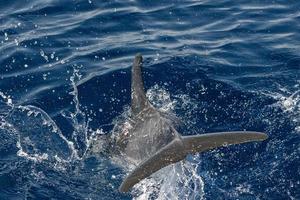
(52, 55)
(17, 42)
(9, 101)
(5, 36)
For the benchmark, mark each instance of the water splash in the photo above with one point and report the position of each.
(161, 99)
(177, 181)
(39, 139)
(36, 135)
(83, 136)
(288, 99)
(77, 118)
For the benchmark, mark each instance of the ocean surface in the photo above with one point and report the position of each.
(217, 65)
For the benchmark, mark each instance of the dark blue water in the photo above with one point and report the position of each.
(217, 65)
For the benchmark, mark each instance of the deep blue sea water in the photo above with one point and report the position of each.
(217, 65)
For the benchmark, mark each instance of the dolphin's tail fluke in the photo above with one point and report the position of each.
(204, 142)
(179, 148)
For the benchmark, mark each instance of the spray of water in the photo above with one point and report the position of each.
(288, 99)
(38, 137)
(177, 181)
(43, 141)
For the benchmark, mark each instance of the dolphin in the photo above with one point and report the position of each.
(153, 143)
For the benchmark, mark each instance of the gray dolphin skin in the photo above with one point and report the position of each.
(153, 143)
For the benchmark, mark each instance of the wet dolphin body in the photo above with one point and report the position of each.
(153, 142)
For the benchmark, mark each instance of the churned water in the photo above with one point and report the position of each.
(217, 65)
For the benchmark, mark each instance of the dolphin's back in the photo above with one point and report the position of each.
(151, 130)
(150, 133)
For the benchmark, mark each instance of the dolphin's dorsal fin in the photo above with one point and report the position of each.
(138, 97)
(179, 148)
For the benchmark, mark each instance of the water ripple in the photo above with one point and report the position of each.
(244, 53)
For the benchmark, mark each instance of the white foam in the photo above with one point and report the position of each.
(289, 101)
(6, 98)
(161, 99)
(178, 181)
